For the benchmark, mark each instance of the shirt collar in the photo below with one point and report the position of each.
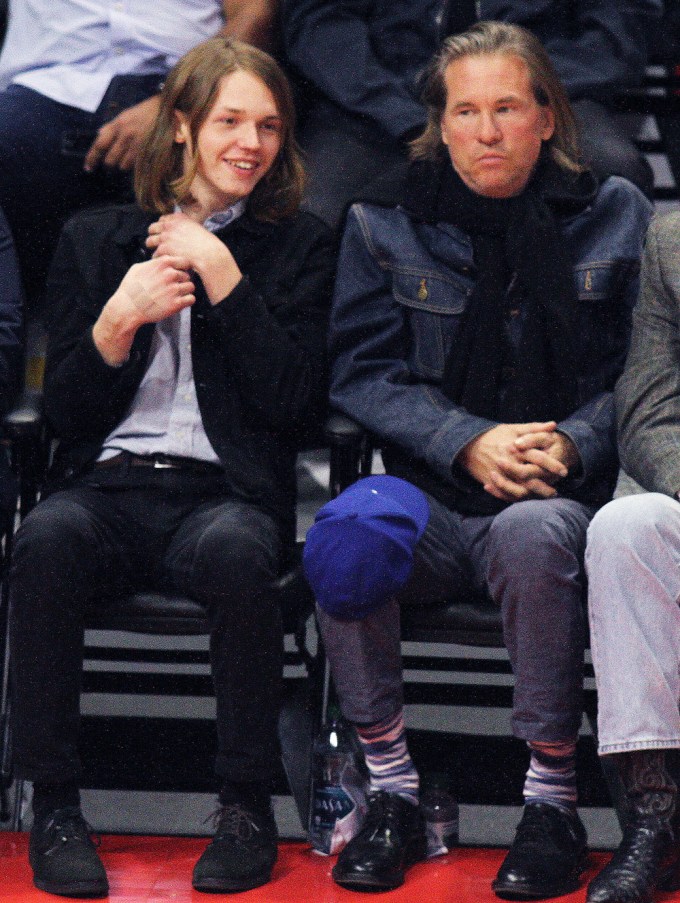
(222, 218)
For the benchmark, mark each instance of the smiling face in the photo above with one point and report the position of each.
(492, 125)
(237, 143)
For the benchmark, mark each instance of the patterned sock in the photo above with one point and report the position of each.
(387, 757)
(551, 777)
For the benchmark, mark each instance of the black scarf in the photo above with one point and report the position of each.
(515, 240)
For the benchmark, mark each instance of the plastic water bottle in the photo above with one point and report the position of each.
(440, 809)
(338, 803)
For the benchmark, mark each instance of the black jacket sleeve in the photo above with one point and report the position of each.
(85, 397)
(274, 327)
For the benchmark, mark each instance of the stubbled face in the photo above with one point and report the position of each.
(493, 126)
(237, 144)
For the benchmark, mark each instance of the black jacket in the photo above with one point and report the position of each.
(258, 356)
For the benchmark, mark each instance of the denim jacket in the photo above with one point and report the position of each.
(401, 290)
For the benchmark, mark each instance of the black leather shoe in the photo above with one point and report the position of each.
(63, 857)
(391, 839)
(242, 853)
(647, 858)
(547, 856)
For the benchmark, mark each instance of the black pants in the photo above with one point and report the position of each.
(173, 529)
(348, 160)
(42, 182)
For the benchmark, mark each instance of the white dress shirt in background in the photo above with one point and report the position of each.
(69, 50)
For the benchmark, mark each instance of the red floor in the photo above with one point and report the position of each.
(158, 870)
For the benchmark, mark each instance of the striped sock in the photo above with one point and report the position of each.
(551, 777)
(387, 757)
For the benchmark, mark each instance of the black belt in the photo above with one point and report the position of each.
(160, 462)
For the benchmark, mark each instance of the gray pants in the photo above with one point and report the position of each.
(529, 558)
(633, 563)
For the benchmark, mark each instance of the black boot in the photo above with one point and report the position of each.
(649, 853)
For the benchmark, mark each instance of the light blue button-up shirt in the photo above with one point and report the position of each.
(69, 50)
(164, 417)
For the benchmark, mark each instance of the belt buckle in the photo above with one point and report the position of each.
(165, 465)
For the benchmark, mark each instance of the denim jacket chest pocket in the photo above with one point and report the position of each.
(432, 306)
(604, 315)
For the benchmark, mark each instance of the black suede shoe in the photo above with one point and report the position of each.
(547, 856)
(242, 853)
(647, 858)
(64, 858)
(391, 839)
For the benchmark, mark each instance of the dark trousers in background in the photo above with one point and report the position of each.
(608, 149)
(348, 160)
(172, 529)
(42, 147)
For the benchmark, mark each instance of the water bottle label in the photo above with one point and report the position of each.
(442, 836)
(337, 812)
(330, 804)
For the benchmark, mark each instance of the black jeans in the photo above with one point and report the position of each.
(173, 529)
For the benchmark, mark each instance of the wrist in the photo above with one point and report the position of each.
(114, 333)
(219, 274)
(214, 258)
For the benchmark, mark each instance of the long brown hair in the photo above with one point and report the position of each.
(161, 177)
(485, 38)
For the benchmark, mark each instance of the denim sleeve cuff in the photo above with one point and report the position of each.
(451, 439)
(587, 445)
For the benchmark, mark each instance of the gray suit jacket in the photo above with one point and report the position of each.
(648, 393)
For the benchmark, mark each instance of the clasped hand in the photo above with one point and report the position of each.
(178, 235)
(149, 292)
(156, 289)
(516, 461)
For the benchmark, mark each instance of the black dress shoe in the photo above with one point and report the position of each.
(392, 838)
(242, 853)
(63, 857)
(547, 856)
(648, 858)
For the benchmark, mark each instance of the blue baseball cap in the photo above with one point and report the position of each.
(359, 551)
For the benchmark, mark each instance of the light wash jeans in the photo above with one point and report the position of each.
(633, 567)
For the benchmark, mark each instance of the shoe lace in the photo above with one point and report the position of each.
(233, 820)
(68, 824)
(382, 812)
